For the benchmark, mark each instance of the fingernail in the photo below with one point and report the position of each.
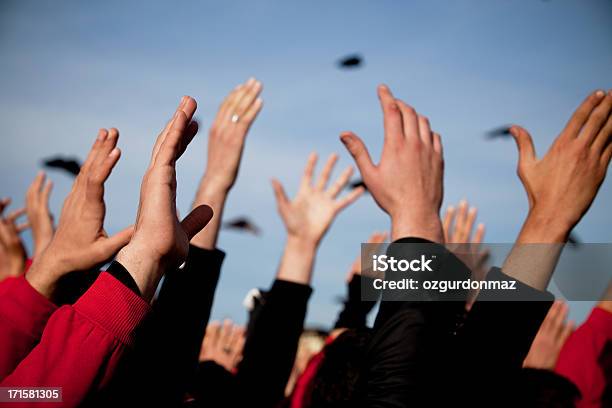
(599, 93)
(250, 81)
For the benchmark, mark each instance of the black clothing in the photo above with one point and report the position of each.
(162, 366)
(355, 311)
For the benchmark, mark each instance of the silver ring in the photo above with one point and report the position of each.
(235, 118)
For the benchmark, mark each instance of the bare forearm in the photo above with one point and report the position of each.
(297, 261)
(214, 197)
(146, 270)
(534, 257)
(406, 224)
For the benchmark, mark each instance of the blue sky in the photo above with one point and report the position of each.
(69, 68)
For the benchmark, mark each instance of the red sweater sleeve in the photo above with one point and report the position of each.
(578, 360)
(23, 315)
(81, 344)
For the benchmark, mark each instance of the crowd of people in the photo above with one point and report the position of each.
(138, 332)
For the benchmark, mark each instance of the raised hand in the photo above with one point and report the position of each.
(550, 338)
(562, 185)
(12, 251)
(228, 133)
(39, 216)
(459, 223)
(225, 146)
(376, 239)
(311, 212)
(160, 241)
(223, 344)
(461, 239)
(80, 242)
(308, 216)
(407, 182)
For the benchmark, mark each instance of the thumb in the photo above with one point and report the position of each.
(196, 220)
(110, 246)
(359, 152)
(524, 143)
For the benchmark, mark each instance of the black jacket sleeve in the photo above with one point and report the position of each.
(182, 311)
(271, 345)
(496, 336)
(355, 311)
(501, 326)
(162, 366)
(411, 334)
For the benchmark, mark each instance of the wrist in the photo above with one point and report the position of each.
(44, 273)
(409, 224)
(146, 269)
(301, 244)
(213, 196)
(297, 260)
(211, 186)
(544, 227)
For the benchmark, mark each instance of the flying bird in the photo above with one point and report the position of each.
(574, 240)
(70, 165)
(242, 224)
(499, 133)
(356, 184)
(350, 61)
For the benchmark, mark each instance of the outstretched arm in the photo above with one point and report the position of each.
(407, 185)
(225, 146)
(88, 331)
(277, 327)
(39, 216)
(561, 186)
(308, 217)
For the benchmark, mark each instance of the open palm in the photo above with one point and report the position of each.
(315, 206)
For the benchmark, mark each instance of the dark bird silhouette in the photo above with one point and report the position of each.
(356, 184)
(242, 224)
(70, 165)
(574, 240)
(350, 62)
(499, 133)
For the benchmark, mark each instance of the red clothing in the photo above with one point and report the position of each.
(80, 344)
(23, 315)
(578, 360)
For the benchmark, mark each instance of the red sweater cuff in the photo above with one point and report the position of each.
(25, 308)
(114, 307)
(601, 320)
